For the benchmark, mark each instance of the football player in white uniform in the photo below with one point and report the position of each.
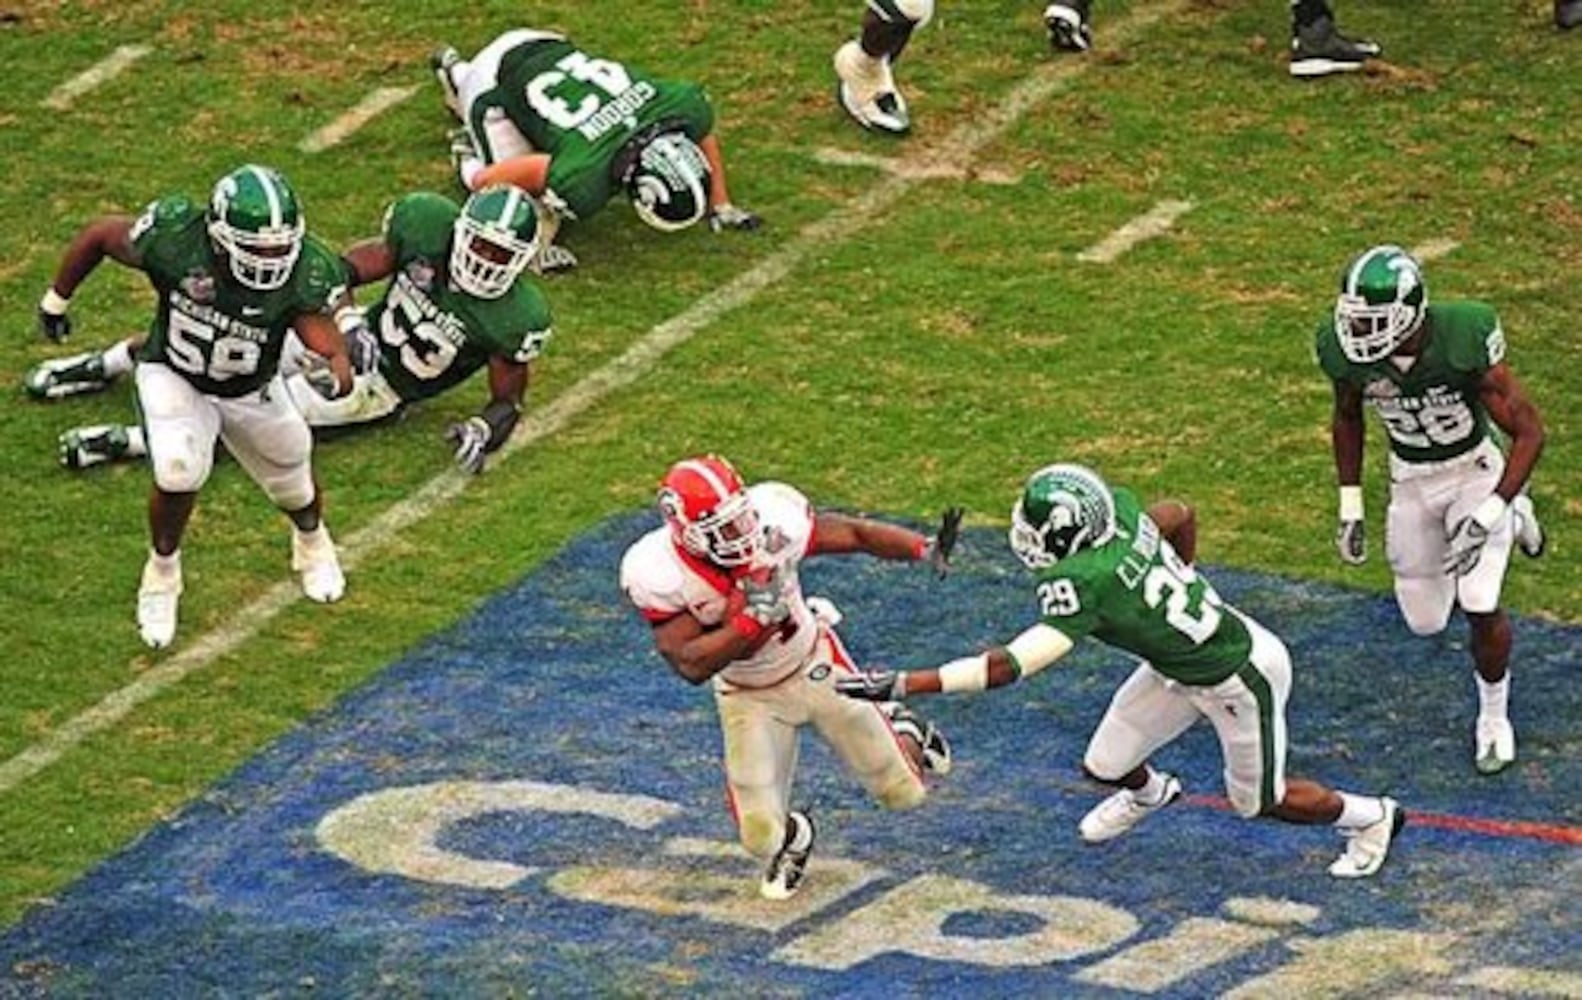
(718, 584)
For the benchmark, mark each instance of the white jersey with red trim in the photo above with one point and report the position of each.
(664, 581)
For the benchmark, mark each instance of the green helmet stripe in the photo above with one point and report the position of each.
(267, 183)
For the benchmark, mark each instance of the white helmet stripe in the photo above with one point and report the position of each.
(268, 184)
(513, 199)
(720, 489)
(1363, 260)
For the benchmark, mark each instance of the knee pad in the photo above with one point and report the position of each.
(919, 12)
(180, 470)
(1425, 603)
(905, 793)
(761, 833)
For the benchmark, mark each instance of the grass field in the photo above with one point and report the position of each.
(929, 350)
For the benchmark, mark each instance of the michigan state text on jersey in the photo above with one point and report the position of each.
(432, 333)
(222, 336)
(1430, 409)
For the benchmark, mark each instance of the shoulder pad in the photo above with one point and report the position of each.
(652, 577)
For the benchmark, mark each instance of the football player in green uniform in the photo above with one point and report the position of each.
(575, 129)
(455, 303)
(1436, 375)
(231, 281)
(1108, 568)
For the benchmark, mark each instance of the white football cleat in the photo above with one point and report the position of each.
(1494, 746)
(868, 92)
(157, 598)
(313, 556)
(1121, 811)
(1529, 533)
(1368, 846)
(786, 869)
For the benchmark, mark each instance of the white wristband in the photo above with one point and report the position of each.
(970, 673)
(1351, 503)
(54, 303)
(349, 318)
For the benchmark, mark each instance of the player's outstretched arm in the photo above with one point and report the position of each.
(841, 533)
(722, 213)
(1033, 650)
(369, 261)
(108, 236)
(530, 172)
(478, 436)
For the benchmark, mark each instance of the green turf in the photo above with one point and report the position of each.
(933, 357)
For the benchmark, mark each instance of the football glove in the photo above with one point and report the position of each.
(471, 441)
(320, 376)
(362, 346)
(943, 543)
(728, 216)
(764, 597)
(1471, 534)
(53, 322)
(1352, 542)
(873, 685)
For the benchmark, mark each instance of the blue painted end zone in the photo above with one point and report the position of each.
(554, 682)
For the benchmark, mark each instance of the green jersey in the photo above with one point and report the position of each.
(1134, 593)
(220, 335)
(581, 109)
(431, 335)
(1432, 410)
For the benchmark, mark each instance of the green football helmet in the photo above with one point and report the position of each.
(1382, 302)
(495, 237)
(255, 222)
(1063, 509)
(667, 177)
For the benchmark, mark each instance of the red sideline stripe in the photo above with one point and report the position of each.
(1549, 833)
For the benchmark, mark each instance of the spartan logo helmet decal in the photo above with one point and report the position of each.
(1063, 509)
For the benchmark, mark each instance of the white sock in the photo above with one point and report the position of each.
(317, 536)
(1358, 811)
(118, 360)
(136, 442)
(1152, 791)
(165, 565)
(1493, 698)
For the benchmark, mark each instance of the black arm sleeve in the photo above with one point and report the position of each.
(501, 416)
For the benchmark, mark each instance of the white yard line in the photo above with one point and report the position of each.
(1152, 223)
(369, 108)
(1434, 248)
(839, 226)
(913, 170)
(107, 68)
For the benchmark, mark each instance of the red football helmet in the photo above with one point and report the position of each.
(709, 512)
